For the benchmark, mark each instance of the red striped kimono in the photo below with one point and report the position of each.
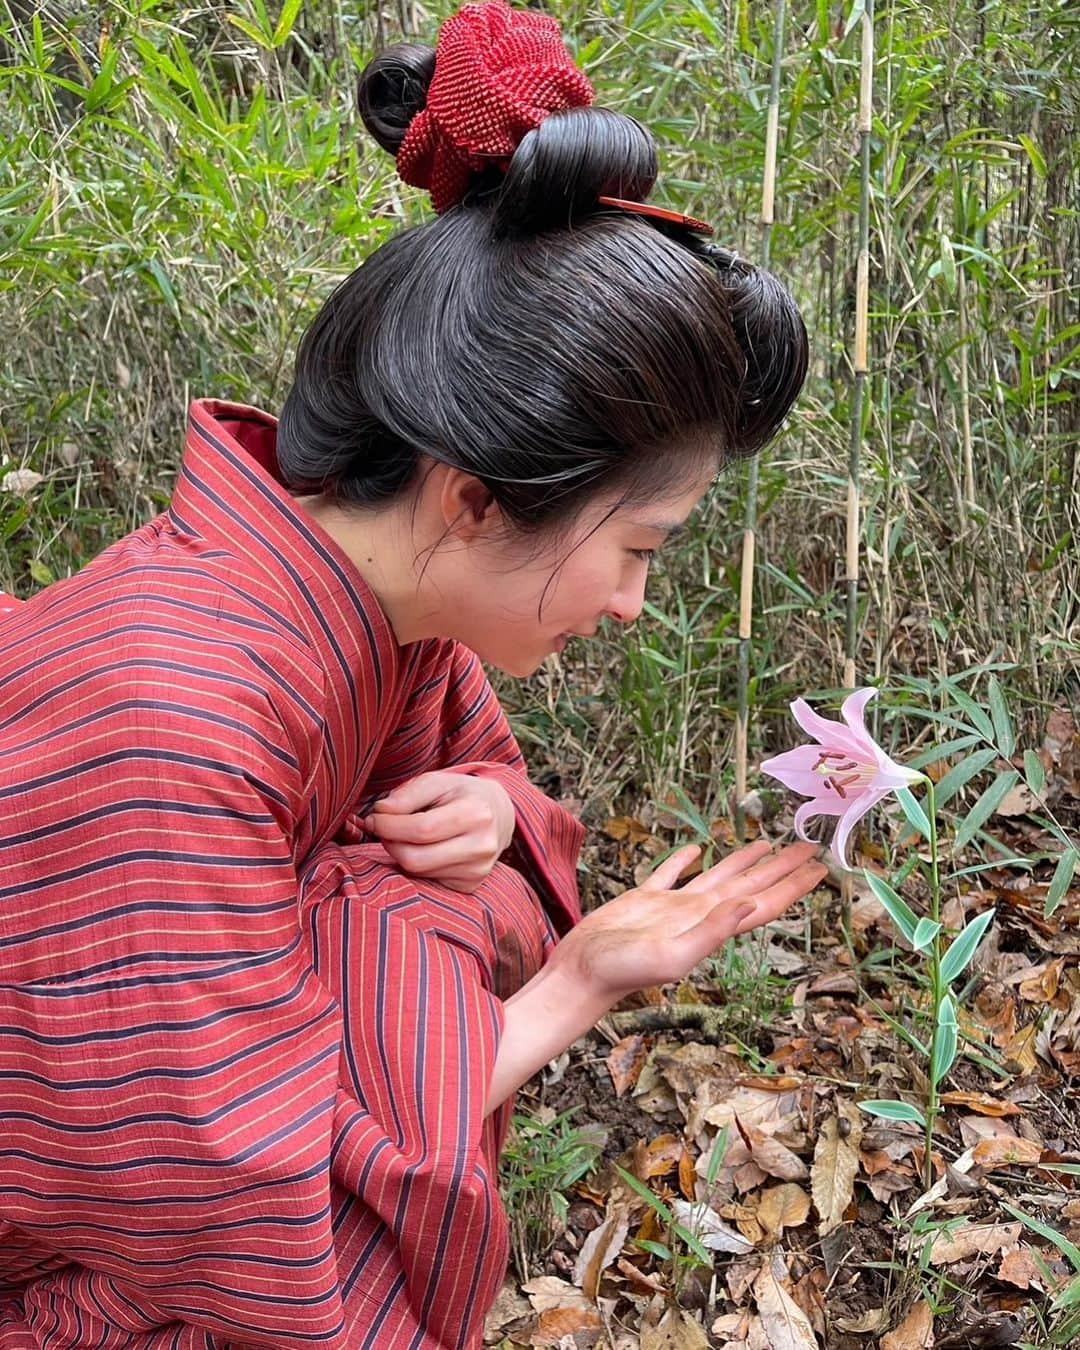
(243, 1061)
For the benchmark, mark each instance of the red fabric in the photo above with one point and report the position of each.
(243, 1061)
(498, 73)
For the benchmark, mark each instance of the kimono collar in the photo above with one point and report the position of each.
(229, 491)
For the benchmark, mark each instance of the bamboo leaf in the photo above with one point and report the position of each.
(902, 915)
(917, 817)
(1003, 726)
(978, 717)
(286, 23)
(1038, 162)
(948, 263)
(985, 807)
(964, 946)
(1034, 772)
(1061, 880)
(890, 1110)
(946, 1043)
(959, 775)
(926, 930)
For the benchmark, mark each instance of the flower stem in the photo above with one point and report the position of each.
(937, 990)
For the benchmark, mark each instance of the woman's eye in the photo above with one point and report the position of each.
(645, 554)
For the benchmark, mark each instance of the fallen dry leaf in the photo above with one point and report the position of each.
(786, 1326)
(549, 1291)
(553, 1326)
(972, 1239)
(662, 1155)
(781, 1207)
(980, 1102)
(1004, 1152)
(1018, 1267)
(508, 1307)
(676, 1330)
(774, 1158)
(915, 1332)
(869, 1323)
(625, 1062)
(708, 1227)
(836, 1160)
(599, 1249)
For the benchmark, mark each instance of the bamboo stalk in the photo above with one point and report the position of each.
(746, 578)
(861, 367)
(862, 326)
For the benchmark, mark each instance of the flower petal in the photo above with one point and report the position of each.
(856, 809)
(891, 775)
(797, 769)
(853, 711)
(807, 811)
(832, 735)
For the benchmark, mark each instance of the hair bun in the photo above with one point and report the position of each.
(393, 88)
(571, 159)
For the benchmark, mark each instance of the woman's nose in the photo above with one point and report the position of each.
(628, 602)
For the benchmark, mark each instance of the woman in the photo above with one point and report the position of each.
(283, 924)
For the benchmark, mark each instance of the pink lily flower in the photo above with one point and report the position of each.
(845, 774)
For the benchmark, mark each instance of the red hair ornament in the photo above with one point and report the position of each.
(498, 73)
(658, 213)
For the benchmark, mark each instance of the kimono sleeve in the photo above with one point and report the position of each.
(168, 1059)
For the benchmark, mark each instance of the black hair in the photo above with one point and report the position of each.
(549, 345)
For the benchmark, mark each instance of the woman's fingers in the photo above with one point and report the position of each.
(767, 871)
(421, 827)
(770, 903)
(735, 863)
(743, 913)
(671, 869)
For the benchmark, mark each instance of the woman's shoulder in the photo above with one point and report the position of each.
(147, 610)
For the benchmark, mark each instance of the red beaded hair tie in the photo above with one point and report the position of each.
(499, 72)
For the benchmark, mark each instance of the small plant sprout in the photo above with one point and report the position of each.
(845, 775)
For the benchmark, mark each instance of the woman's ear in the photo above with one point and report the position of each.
(468, 508)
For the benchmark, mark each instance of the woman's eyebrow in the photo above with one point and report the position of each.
(670, 529)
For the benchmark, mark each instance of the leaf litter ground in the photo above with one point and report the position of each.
(818, 1226)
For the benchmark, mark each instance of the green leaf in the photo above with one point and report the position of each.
(889, 1110)
(964, 946)
(948, 262)
(1061, 1242)
(1034, 772)
(917, 817)
(898, 910)
(968, 705)
(289, 11)
(985, 807)
(1038, 162)
(1003, 726)
(1061, 880)
(926, 930)
(260, 39)
(960, 773)
(858, 9)
(945, 1044)
(656, 1248)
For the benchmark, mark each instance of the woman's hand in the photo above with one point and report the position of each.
(647, 936)
(656, 933)
(447, 827)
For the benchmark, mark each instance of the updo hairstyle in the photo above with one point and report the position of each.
(549, 345)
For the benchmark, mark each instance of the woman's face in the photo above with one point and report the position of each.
(517, 603)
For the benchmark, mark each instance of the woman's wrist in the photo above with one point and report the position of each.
(542, 1019)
